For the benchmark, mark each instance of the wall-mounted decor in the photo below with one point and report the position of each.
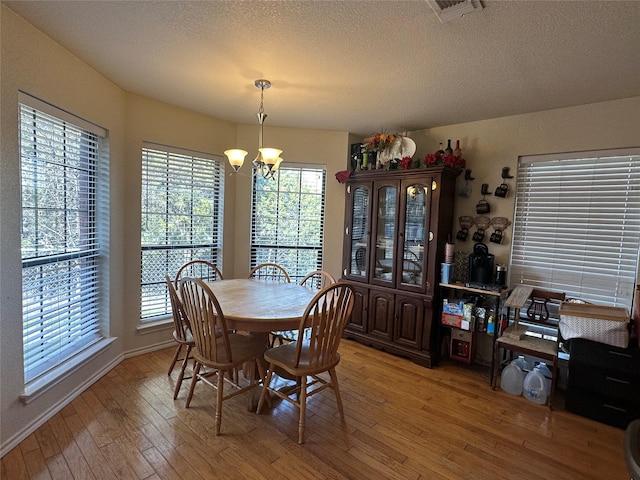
(466, 222)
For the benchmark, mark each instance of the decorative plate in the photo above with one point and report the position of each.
(408, 147)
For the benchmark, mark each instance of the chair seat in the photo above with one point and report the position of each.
(290, 335)
(284, 356)
(540, 346)
(243, 348)
(189, 336)
(188, 340)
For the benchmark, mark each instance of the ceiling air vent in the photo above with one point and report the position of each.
(448, 10)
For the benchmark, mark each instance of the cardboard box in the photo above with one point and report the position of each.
(462, 346)
(457, 313)
(452, 313)
(454, 307)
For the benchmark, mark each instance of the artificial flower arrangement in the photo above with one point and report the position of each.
(440, 158)
(380, 141)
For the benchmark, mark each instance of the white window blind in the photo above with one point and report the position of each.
(577, 225)
(287, 221)
(182, 209)
(63, 167)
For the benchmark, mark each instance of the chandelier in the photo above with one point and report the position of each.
(268, 160)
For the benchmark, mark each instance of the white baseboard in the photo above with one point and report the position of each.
(150, 348)
(40, 420)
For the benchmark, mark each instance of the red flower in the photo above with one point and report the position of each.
(433, 159)
(406, 163)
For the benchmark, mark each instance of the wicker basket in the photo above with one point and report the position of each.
(599, 323)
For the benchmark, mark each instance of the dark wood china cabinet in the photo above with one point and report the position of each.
(396, 227)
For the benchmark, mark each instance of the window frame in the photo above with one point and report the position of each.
(64, 174)
(276, 250)
(596, 176)
(171, 178)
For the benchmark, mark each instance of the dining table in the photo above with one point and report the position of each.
(260, 306)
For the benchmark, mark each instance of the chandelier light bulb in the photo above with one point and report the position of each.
(236, 157)
(270, 155)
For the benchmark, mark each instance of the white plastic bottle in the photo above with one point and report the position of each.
(534, 388)
(512, 379)
(544, 370)
(524, 365)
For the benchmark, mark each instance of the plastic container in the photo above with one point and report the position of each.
(512, 379)
(522, 363)
(544, 370)
(534, 388)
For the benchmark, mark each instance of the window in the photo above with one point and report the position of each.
(287, 221)
(182, 208)
(577, 224)
(64, 176)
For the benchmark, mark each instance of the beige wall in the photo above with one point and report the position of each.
(489, 145)
(32, 62)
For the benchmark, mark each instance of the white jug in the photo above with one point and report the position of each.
(535, 387)
(512, 378)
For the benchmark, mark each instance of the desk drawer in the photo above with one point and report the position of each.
(600, 355)
(608, 383)
(612, 412)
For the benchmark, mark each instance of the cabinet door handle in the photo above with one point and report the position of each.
(617, 380)
(606, 405)
(620, 354)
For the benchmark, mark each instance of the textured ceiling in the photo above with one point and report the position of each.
(356, 66)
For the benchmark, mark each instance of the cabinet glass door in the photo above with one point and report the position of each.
(360, 231)
(416, 231)
(385, 232)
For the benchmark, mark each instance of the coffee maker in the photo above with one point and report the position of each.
(481, 264)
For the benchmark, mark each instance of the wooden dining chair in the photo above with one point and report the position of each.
(317, 279)
(224, 354)
(271, 272)
(326, 316)
(361, 261)
(181, 334)
(203, 269)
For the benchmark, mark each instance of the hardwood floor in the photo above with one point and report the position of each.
(403, 421)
